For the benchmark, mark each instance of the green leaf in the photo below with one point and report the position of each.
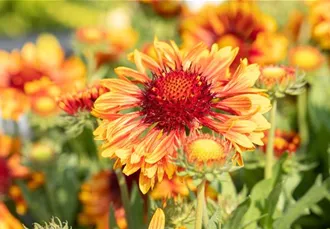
(215, 219)
(36, 201)
(278, 170)
(237, 216)
(67, 194)
(112, 219)
(316, 193)
(137, 207)
(270, 206)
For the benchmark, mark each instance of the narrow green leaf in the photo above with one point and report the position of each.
(67, 194)
(36, 201)
(215, 219)
(137, 207)
(237, 216)
(316, 193)
(270, 206)
(112, 218)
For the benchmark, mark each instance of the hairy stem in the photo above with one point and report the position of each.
(302, 121)
(200, 205)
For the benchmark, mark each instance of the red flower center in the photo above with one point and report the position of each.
(27, 74)
(174, 100)
(4, 176)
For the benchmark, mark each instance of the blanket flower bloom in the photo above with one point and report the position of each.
(285, 141)
(201, 149)
(320, 21)
(82, 100)
(147, 111)
(237, 24)
(281, 80)
(40, 71)
(306, 58)
(96, 196)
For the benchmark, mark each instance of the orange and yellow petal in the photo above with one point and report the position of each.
(146, 112)
(320, 22)
(13, 104)
(167, 188)
(90, 35)
(157, 220)
(7, 220)
(269, 48)
(236, 24)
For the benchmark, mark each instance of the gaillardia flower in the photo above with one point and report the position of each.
(40, 71)
(320, 22)
(148, 111)
(281, 80)
(306, 58)
(285, 141)
(236, 24)
(97, 195)
(82, 100)
(204, 149)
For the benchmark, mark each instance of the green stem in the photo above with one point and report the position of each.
(302, 121)
(200, 204)
(270, 143)
(125, 198)
(50, 191)
(205, 215)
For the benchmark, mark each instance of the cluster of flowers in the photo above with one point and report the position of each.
(182, 109)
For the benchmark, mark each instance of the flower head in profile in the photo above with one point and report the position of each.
(237, 24)
(147, 112)
(82, 100)
(281, 80)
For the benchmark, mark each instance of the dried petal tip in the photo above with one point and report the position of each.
(158, 220)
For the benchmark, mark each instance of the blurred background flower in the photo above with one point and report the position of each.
(53, 59)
